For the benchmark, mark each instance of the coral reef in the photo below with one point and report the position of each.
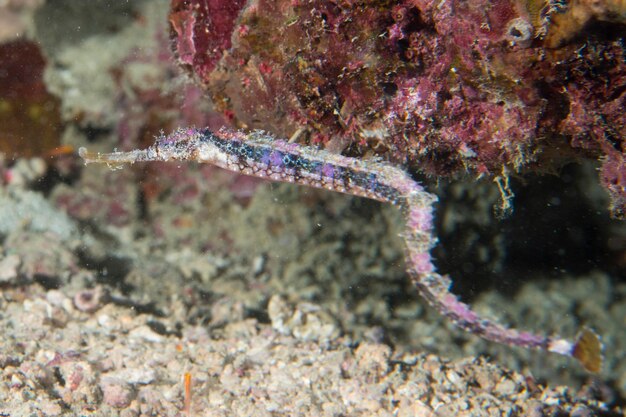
(441, 87)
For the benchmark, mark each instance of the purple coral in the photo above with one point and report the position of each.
(202, 31)
(442, 87)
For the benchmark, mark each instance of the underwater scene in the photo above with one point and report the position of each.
(313, 208)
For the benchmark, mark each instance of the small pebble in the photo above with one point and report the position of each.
(8, 268)
(116, 392)
(90, 300)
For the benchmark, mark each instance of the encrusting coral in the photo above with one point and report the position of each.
(441, 87)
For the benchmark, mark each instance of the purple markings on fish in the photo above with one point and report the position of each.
(259, 154)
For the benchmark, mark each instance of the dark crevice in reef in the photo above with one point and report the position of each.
(559, 227)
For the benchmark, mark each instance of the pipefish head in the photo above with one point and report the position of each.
(181, 145)
(114, 160)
